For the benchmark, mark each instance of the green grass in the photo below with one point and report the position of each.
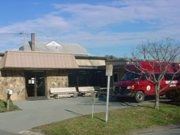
(12, 107)
(121, 121)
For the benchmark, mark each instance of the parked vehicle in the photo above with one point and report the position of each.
(136, 83)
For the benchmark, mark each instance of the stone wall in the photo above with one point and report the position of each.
(15, 80)
(12, 80)
(56, 78)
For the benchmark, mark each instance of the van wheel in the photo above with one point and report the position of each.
(139, 96)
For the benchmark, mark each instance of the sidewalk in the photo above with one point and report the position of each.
(160, 130)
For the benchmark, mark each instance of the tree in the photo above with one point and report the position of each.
(159, 55)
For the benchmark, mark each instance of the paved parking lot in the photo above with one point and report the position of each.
(39, 112)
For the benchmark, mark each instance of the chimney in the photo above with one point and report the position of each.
(32, 42)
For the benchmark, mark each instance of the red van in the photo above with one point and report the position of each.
(136, 84)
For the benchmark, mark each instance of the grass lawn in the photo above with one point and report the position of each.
(121, 121)
(12, 107)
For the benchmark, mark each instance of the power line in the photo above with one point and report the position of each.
(8, 33)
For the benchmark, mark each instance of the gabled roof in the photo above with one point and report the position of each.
(38, 60)
(54, 43)
(54, 46)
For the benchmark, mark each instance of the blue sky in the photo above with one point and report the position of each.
(103, 27)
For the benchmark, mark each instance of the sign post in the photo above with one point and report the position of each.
(109, 71)
(93, 103)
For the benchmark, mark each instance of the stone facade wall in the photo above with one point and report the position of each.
(15, 80)
(56, 78)
(12, 80)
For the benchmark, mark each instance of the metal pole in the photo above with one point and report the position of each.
(93, 104)
(8, 102)
(107, 99)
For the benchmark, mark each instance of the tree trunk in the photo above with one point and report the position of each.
(157, 87)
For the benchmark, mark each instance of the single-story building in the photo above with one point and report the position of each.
(35, 68)
(32, 70)
(32, 74)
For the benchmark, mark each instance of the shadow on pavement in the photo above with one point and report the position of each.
(171, 102)
(76, 113)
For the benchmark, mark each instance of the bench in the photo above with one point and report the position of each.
(86, 90)
(63, 92)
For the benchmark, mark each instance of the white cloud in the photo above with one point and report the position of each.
(163, 14)
(84, 19)
(43, 24)
(100, 15)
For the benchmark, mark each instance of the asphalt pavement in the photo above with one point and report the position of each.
(40, 112)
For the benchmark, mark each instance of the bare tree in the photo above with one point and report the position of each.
(159, 55)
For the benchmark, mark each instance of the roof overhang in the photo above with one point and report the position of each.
(38, 60)
(90, 63)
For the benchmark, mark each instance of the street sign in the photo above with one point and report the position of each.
(109, 70)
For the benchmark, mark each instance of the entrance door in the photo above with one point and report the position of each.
(35, 84)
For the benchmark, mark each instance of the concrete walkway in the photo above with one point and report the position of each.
(164, 130)
(36, 113)
(2, 132)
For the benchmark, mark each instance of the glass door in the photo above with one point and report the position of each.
(35, 84)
